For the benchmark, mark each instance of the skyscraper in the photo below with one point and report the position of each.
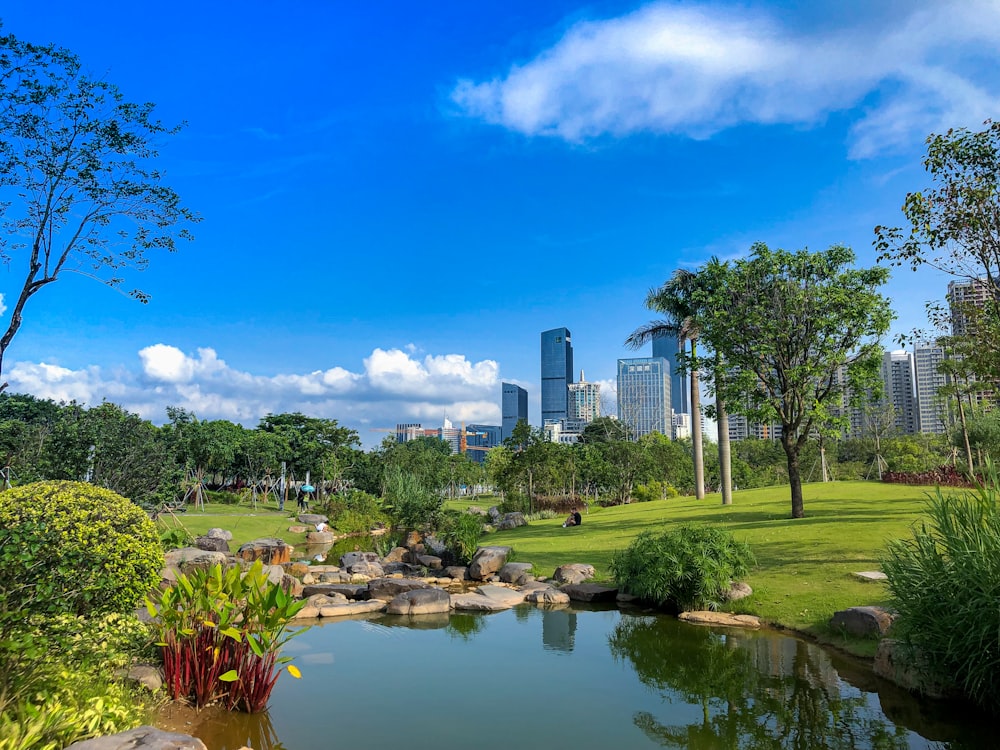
(900, 391)
(965, 298)
(513, 408)
(557, 373)
(584, 400)
(668, 348)
(644, 396)
(932, 412)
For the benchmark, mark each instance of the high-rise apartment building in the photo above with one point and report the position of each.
(513, 408)
(644, 396)
(932, 411)
(557, 373)
(584, 400)
(899, 383)
(964, 298)
(668, 348)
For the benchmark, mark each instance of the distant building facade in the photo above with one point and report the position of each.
(644, 396)
(513, 408)
(899, 382)
(668, 347)
(557, 373)
(584, 400)
(932, 411)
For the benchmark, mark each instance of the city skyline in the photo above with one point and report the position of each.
(397, 199)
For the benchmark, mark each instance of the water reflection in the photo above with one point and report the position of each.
(753, 692)
(558, 629)
(627, 682)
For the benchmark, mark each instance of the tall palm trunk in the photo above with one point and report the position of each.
(725, 454)
(696, 444)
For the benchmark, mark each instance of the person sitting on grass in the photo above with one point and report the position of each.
(574, 519)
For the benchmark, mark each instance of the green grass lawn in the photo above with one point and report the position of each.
(804, 567)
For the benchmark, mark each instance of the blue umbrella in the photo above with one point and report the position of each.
(308, 488)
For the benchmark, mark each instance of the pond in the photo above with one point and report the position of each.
(580, 678)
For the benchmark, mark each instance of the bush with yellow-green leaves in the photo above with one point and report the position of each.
(72, 547)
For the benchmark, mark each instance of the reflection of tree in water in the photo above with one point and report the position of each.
(464, 626)
(229, 730)
(754, 692)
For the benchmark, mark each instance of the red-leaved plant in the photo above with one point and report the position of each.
(220, 632)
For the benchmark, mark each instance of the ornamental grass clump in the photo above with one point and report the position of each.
(220, 632)
(945, 585)
(689, 567)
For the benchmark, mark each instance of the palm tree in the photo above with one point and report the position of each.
(673, 299)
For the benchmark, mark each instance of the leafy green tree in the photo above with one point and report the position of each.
(77, 189)
(603, 430)
(794, 329)
(316, 445)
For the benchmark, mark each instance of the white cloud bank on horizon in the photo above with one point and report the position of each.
(681, 69)
(393, 387)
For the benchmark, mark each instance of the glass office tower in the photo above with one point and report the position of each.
(644, 396)
(513, 408)
(557, 373)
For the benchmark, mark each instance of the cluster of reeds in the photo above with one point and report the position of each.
(220, 632)
(945, 584)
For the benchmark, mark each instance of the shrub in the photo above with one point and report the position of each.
(689, 567)
(945, 584)
(411, 505)
(355, 511)
(71, 547)
(461, 533)
(653, 490)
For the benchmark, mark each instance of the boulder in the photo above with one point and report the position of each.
(737, 591)
(388, 589)
(396, 554)
(188, 559)
(297, 569)
(146, 676)
(320, 537)
(297, 529)
(142, 738)
(898, 663)
(351, 591)
(311, 519)
(510, 521)
(327, 600)
(871, 575)
(369, 568)
(547, 596)
(501, 594)
(430, 561)
(308, 612)
(862, 622)
(494, 514)
(427, 601)
(457, 572)
(589, 592)
(218, 533)
(413, 538)
(472, 602)
(352, 608)
(400, 568)
(350, 558)
(516, 573)
(291, 585)
(487, 561)
(574, 573)
(706, 617)
(435, 546)
(270, 551)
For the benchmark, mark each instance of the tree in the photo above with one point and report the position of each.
(603, 430)
(954, 226)
(77, 189)
(795, 330)
(674, 299)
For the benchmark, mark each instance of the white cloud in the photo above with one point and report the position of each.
(694, 71)
(392, 387)
(3, 305)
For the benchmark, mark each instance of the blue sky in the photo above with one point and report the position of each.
(398, 197)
